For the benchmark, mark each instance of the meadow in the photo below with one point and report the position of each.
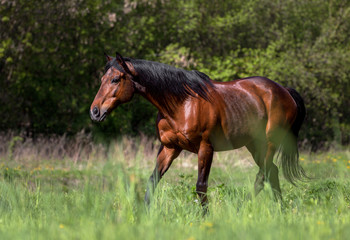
(74, 189)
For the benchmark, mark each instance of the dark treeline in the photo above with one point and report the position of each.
(51, 57)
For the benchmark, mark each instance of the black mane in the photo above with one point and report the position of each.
(166, 83)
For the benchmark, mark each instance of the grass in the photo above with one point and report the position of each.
(99, 195)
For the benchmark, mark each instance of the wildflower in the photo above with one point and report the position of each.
(191, 224)
(37, 168)
(348, 167)
(302, 159)
(320, 222)
(208, 224)
(191, 238)
(334, 159)
(61, 226)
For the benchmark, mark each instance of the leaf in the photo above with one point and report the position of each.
(5, 19)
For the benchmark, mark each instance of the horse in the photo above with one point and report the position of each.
(202, 116)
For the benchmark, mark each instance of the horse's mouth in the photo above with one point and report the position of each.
(102, 118)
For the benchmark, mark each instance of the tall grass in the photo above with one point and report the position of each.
(99, 195)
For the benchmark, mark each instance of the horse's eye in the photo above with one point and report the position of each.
(114, 80)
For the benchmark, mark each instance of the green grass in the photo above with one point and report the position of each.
(58, 199)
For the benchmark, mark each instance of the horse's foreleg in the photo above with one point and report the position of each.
(164, 159)
(205, 157)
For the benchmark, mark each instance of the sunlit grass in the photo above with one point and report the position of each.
(63, 199)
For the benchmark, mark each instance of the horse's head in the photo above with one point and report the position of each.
(117, 87)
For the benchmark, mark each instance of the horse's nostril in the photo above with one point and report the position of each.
(95, 111)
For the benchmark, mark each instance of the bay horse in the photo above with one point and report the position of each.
(200, 115)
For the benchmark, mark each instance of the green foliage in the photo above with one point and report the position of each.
(51, 57)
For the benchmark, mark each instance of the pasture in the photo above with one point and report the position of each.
(96, 192)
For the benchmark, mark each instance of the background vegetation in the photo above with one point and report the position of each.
(51, 57)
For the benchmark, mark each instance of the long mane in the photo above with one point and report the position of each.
(167, 84)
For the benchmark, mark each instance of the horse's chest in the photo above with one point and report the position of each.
(185, 138)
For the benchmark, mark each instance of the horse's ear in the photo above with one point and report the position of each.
(108, 58)
(122, 63)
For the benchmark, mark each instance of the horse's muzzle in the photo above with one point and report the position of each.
(96, 115)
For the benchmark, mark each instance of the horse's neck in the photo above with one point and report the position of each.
(143, 92)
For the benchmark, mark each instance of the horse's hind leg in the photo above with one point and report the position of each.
(258, 153)
(271, 171)
(263, 153)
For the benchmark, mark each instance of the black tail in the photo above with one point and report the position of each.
(301, 111)
(292, 171)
